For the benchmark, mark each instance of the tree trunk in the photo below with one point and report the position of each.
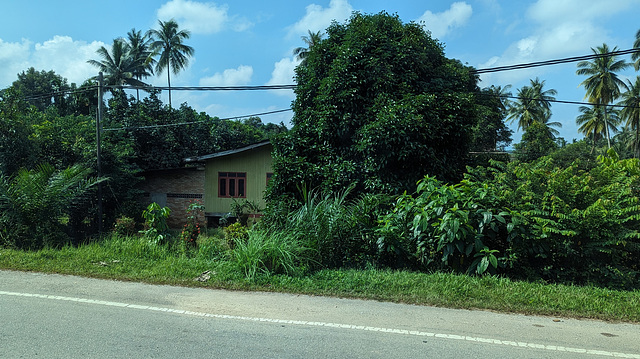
(169, 82)
(606, 126)
(636, 142)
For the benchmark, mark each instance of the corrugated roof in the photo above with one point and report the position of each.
(226, 153)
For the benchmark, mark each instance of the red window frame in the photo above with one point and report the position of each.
(232, 184)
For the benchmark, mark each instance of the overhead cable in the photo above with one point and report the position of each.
(207, 88)
(554, 101)
(554, 62)
(293, 86)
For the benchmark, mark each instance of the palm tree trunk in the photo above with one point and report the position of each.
(636, 142)
(138, 90)
(169, 82)
(606, 125)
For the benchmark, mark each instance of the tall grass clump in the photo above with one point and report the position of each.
(264, 252)
(338, 231)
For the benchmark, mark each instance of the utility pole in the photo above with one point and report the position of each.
(98, 133)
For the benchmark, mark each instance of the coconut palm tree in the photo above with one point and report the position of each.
(592, 122)
(117, 65)
(311, 40)
(139, 50)
(533, 104)
(630, 113)
(525, 109)
(603, 85)
(168, 42)
(624, 142)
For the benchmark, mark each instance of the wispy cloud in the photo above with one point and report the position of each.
(318, 18)
(202, 18)
(229, 77)
(441, 24)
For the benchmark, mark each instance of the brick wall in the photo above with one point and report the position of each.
(176, 189)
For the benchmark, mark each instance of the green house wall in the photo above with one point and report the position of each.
(255, 162)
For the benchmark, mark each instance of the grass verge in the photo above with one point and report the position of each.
(136, 260)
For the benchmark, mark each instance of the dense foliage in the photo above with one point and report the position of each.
(379, 105)
(44, 206)
(527, 220)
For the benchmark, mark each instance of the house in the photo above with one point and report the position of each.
(235, 175)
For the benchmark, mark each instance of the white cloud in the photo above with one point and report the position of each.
(201, 18)
(65, 56)
(229, 77)
(318, 18)
(558, 28)
(283, 74)
(441, 24)
(13, 59)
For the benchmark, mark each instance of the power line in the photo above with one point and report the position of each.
(208, 88)
(293, 86)
(554, 101)
(554, 62)
(194, 122)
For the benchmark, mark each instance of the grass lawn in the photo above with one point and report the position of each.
(136, 260)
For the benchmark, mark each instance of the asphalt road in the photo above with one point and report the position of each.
(53, 316)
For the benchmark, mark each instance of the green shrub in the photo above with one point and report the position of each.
(155, 222)
(241, 209)
(582, 225)
(235, 233)
(449, 227)
(527, 220)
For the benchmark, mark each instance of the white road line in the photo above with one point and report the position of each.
(332, 325)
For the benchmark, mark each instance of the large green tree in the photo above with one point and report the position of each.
(591, 122)
(377, 104)
(603, 84)
(42, 88)
(168, 42)
(490, 133)
(536, 142)
(16, 149)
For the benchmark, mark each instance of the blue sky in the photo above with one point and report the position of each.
(250, 42)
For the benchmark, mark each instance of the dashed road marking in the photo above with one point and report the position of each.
(332, 325)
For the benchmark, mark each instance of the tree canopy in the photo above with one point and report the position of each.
(377, 104)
